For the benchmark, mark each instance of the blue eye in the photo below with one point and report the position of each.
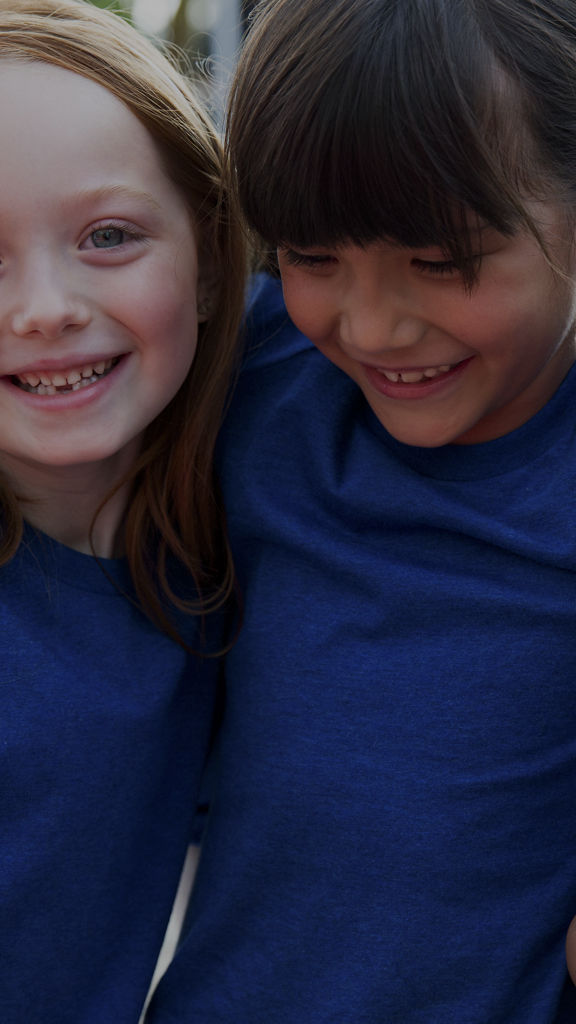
(107, 238)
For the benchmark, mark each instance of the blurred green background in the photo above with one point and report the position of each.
(209, 32)
(205, 27)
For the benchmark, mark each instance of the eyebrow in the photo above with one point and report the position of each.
(114, 192)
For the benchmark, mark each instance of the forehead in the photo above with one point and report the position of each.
(68, 124)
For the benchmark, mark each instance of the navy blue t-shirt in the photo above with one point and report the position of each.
(393, 830)
(104, 728)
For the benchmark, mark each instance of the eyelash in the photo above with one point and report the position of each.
(439, 267)
(435, 267)
(302, 259)
(129, 233)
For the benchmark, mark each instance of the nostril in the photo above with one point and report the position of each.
(50, 323)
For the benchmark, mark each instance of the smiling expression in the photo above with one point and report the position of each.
(98, 274)
(439, 363)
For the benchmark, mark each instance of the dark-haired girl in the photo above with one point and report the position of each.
(393, 838)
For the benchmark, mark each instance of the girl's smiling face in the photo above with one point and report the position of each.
(98, 274)
(439, 363)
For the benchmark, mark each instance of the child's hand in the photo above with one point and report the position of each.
(571, 950)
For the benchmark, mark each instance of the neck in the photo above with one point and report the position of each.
(62, 501)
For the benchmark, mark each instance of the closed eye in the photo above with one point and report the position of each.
(304, 259)
(444, 267)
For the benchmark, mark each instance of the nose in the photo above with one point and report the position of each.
(45, 301)
(377, 321)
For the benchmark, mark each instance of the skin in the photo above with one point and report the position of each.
(571, 950)
(98, 263)
(509, 342)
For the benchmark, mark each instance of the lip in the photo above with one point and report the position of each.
(398, 390)
(68, 399)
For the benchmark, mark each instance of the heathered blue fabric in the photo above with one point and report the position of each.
(103, 731)
(393, 830)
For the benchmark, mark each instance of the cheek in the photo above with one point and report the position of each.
(496, 327)
(179, 334)
(169, 333)
(165, 289)
(166, 297)
(166, 367)
(308, 306)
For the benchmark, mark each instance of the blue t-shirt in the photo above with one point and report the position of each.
(104, 729)
(393, 830)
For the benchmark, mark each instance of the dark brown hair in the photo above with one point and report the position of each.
(174, 510)
(406, 120)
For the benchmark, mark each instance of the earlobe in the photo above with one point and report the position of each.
(204, 308)
(209, 278)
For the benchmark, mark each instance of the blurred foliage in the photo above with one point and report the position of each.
(179, 30)
(121, 6)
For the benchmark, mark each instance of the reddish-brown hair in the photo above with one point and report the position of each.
(174, 511)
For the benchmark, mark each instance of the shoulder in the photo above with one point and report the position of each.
(290, 404)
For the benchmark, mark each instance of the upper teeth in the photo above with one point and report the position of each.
(414, 376)
(45, 382)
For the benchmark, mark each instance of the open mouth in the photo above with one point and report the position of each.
(64, 382)
(416, 376)
(418, 382)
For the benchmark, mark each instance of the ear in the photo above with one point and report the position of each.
(209, 280)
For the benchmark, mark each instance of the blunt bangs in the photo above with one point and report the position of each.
(380, 119)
